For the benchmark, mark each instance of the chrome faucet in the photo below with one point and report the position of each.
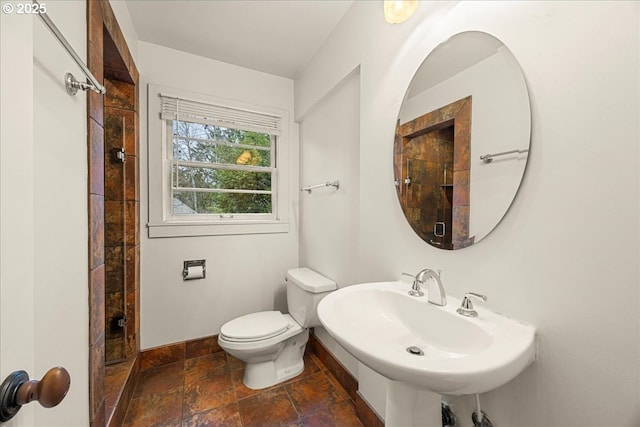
(435, 293)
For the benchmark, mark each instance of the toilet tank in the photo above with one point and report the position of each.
(305, 289)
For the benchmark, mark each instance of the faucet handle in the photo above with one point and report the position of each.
(466, 308)
(415, 286)
(412, 276)
(473, 294)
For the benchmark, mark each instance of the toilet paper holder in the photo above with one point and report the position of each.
(194, 263)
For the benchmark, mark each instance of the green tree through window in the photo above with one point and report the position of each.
(223, 171)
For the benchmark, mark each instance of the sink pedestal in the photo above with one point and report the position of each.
(412, 407)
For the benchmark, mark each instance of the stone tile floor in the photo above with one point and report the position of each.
(208, 391)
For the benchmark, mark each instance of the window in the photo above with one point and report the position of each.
(220, 167)
(220, 171)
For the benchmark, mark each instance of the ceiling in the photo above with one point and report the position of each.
(274, 36)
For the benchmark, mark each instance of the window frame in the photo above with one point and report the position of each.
(162, 222)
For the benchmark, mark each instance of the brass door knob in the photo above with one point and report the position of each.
(17, 390)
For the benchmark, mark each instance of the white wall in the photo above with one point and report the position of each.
(331, 135)
(46, 162)
(245, 273)
(565, 256)
(329, 230)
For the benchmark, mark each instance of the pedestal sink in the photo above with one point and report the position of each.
(424, 346)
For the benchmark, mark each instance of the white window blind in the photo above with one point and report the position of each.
(174, 108)
(197, 151)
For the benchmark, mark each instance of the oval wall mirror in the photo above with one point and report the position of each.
(462, 140)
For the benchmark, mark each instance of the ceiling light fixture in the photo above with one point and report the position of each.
(398, 11)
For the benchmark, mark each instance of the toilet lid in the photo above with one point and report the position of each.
(255, 326)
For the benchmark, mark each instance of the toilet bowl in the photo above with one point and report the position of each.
(272, 343)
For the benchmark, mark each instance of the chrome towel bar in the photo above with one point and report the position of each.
(488, 158)
(308, 188)
(72, 85)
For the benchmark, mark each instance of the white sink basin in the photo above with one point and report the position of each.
(377, 322)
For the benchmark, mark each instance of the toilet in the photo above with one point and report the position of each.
(271, 343)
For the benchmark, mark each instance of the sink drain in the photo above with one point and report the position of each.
(415, 350)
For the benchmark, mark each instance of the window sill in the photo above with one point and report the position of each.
(194, 229)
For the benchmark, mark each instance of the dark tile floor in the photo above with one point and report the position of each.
(208, 391)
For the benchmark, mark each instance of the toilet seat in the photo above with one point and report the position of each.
(256, 327)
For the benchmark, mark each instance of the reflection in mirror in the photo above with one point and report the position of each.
(467, 100)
